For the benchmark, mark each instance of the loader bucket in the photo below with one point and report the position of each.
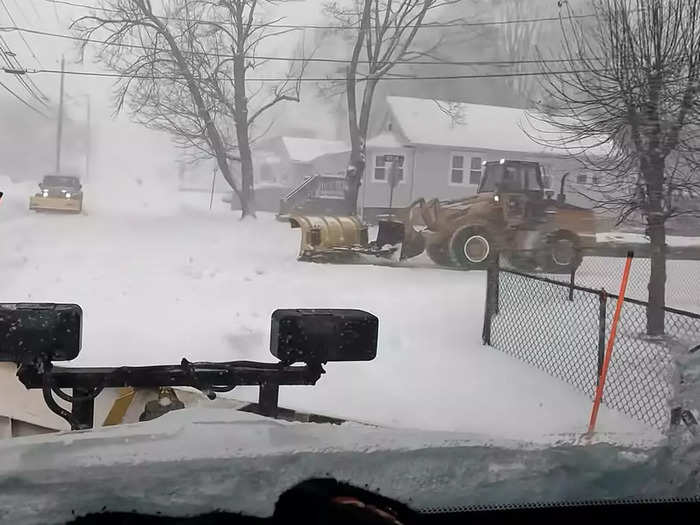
(413, 243)
(329, 234)
(390, 232)
(393, 231)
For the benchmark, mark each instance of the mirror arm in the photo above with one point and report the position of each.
(208, 377)
(47, 390)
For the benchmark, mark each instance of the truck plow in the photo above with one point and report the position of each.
(328, 238)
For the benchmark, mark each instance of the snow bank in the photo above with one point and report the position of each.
(194, 461)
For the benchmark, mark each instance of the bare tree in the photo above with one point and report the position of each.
(385, 34)
(183, 70)
(628, 105)
(518, 41)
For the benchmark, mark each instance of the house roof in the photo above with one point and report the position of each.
(464, 125)
(304, 149)
(384, 140)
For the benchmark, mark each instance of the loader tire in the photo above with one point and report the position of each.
(472, 248)
(561, 253)
(439, 254)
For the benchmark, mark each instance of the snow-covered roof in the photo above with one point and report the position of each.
(384, 140)
(464, 125)
(304, 150)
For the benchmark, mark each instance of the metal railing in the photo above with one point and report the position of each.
(306, 188)
(317, 186)
(562, 328)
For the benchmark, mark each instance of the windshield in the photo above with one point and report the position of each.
(55, 180)
(469, 175)
(510, 178)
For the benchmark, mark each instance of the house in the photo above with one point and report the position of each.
(287, 161)
(279, 165)
(439, 148)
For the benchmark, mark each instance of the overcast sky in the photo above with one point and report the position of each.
(115, 140)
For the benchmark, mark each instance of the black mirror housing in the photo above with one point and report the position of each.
(31, 331)
(315, 336)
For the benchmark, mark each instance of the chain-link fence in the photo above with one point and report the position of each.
(682, 282)
(563, 330)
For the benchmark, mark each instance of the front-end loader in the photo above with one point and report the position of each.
(511, 213)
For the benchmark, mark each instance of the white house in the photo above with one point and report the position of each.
(288, 160)
(440, 147)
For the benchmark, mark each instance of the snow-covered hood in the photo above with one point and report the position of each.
(197, 460)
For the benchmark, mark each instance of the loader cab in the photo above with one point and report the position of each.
(516, 188)
(512, 177)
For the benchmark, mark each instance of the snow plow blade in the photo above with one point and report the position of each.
(329, 234)
(336, 237)
(38, 202)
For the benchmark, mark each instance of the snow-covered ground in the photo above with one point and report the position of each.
(676, 241)
(160, 276)
(682, 283)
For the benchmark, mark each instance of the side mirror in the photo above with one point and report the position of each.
(30, 331)
(316, 336)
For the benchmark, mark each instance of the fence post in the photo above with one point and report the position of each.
(496, 282)
(602, 307)
(572, 283)
(491, 307)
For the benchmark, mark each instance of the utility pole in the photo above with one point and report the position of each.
(88, 141)
(59, 131)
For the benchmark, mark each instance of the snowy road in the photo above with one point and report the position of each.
(160, 278)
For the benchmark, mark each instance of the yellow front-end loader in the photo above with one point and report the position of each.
(510, 213)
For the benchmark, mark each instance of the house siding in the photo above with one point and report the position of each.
(427, 174)
(433, 170)
(431, 174)
(376, 193)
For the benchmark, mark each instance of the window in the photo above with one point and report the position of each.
(475, 171)
(581, 178)
(596, 179)
(457, 169)
(381, 167)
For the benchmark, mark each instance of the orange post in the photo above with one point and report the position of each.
(611, 341)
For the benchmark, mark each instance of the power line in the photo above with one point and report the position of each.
(29, 84)
(317, 79)
(21, 35)
(426, 25)
(24, 102)
(290, 59)
(15, 66)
